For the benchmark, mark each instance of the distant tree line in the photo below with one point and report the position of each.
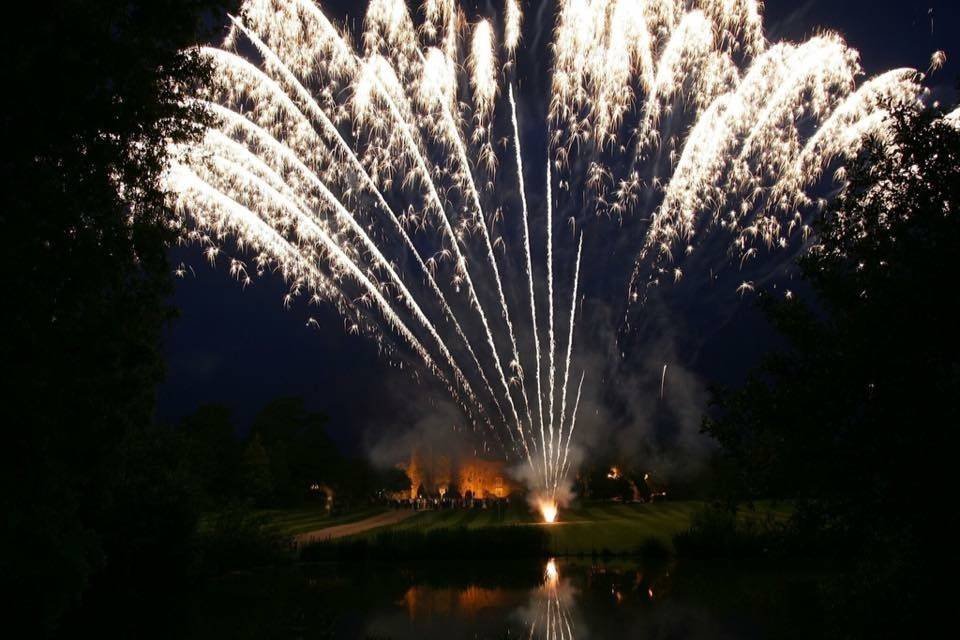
(606, 478)
(285, 459)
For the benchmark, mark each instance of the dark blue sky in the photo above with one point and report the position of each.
(241, 347)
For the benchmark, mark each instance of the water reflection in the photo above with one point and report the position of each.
(562, 599)
(549, 617)
(424, 602)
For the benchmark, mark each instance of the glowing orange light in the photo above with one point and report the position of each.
(551, 572)
(548, 508)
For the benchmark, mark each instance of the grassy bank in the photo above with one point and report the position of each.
(291, 522)
(589, 528)
(619, 529)
(583, 529)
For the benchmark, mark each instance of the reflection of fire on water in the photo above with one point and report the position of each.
(549, 617)
(424, 602)
(551, 573)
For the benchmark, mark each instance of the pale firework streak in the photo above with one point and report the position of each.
(529, 271)
(363, 171)
(571, 322)
(551, 378)
(513, 19)
(663, 380)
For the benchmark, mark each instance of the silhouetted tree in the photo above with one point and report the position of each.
(97, 103)
(257, 472)
(214, 455)
(299, 449)
(856, 419)
(395, 480)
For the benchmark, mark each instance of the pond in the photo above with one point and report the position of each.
(558, 599)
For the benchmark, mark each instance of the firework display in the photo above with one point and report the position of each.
(384, 172)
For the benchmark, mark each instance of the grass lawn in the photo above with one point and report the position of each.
(304, 519)
(585, 528)
(618, 528)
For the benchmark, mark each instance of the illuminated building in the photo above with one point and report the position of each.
(436, 474)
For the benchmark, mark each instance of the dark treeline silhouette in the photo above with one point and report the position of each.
(606, 480)
(93, 494)
(286, 459)
(856, 419)
(625, 479)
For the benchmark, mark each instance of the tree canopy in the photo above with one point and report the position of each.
(856, 418)
(94, 103)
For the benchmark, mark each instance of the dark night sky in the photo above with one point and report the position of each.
(241, 347)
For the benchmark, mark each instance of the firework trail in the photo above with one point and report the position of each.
(384, 173)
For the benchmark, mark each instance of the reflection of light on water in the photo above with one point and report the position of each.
(424, 603)
(551, 572)
(550, 617)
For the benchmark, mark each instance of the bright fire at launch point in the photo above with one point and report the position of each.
(548, 509)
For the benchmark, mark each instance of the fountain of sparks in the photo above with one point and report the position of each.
(385, 174)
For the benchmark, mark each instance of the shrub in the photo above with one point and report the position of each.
(716, 533)
(237, 539)
(653, 549)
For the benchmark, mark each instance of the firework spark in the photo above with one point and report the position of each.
(369, 172)
(663, 380)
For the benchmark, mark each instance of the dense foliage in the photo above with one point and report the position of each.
(87, 483)
(856, 419)
(285, 459)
